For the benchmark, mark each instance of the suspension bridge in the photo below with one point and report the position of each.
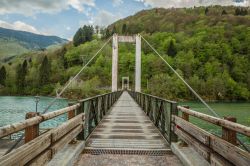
(126, 127)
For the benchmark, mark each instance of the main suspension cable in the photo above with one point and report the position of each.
(178, 75)
(190, 88)
(67, 84)
(62, 91)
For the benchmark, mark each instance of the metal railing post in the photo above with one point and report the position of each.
(173, 111)
(79, 111)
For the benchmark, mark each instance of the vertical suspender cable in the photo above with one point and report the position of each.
(190, 88)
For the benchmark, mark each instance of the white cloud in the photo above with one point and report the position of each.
(191, 3)
(102, 18)
(117, 2)
(68, 28)
(32, 7)
(19, 25)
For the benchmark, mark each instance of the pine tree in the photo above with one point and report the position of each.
(44, 71)
(114, 30)
(83, 35)
(124, 28)
(224, 12)
(97, 29)
(206, 11)
(237, 11)
(77, 39)
(2, 75)
(107, 34)
(24, 68)
(30, 60)
(21, 73)
(19, 78)
(171, 49)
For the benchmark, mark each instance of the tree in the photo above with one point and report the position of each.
(21, 73)
(107, 33)
(19, 78)
(240, 12)
(114, 30)
(237, 11)
(97, 29)
(44, 71)
(24, 67)
(77, 39)
(2, 75)
(206, 11)
(224, 12)
(171, 49)
(83, 35)
(124, 28)
(30, 60)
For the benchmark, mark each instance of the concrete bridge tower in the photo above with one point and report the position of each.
(130, 39)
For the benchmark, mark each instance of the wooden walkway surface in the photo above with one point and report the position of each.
(126, 128)
(126, 136)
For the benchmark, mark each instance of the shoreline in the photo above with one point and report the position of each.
(177, 100)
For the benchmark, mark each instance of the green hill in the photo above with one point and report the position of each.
(209, 47)
(186, 20)
(14, 42)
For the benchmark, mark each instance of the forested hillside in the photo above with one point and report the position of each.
(209, 47)
(13, 42)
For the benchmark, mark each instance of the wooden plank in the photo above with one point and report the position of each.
(218, 121)
(15, 127)
(54, 114)
(193, 130)
(132, 133)
(229, 135)
(66, 139)
(25, 153)
(42, 159)
(66, 127)
(217, 160)
(33, 131)
(199, 147)
(229, 151)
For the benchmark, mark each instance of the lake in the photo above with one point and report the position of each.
(239, 110)
(13, 109)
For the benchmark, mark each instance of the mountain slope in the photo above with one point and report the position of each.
(14, 42)
(178, 20)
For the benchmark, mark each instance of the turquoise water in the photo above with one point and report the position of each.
(13, 109)
(241, 111)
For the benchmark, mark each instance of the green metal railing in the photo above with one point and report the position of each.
(159, 111)
(95, 108)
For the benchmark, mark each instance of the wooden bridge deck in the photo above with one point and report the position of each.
(122, 135)
(127, 128)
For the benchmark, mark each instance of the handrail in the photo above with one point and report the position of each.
(222, 149)
(86, 114)
(91, 98)
(159, 111)
(49, 143)
(156, 97)
(217, 121)
(13, 128)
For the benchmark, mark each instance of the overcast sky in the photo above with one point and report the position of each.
(63, 17)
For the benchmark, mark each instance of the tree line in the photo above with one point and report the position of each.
(210, 51)
(21, 72)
